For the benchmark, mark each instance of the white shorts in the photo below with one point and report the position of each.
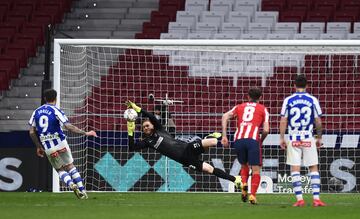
(302, 153)
(61, 156)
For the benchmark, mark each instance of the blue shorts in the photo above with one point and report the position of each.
(248, 151)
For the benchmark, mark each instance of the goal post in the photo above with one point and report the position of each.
(202, 79)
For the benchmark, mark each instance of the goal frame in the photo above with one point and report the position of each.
(169, 43)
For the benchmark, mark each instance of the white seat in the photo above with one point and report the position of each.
(233, 27)
(203, 70)
(246, 5)
(222, 1)
(332, 36)
(184, 58)
(176, 27)
(266, 17)
(200, 35)
(221, 6)
(356, 27)
(252, 36)
(240, 17)
(173, 36)
(258, 71)
(207, 27)
(306, 36)
(266, 59)
(213, 17)
(227, 36)
(279, 36)
(313, 27)
(286, 27)
(289, 60)
(353, 36)
(211, 58)
(196, 5)
(263, 28)
(338, 27)
(237, 58)
(187, 16)
(232, 70)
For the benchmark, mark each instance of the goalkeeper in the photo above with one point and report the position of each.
(156, 137)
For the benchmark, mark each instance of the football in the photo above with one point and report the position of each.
(130, 115)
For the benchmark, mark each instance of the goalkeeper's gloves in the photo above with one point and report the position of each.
(131, 128)
(130, 104)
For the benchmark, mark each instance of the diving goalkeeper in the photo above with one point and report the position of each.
(156, 137)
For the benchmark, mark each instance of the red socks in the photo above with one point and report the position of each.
(255, 181)
(244, 173)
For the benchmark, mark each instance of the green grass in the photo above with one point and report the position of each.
(171, 205)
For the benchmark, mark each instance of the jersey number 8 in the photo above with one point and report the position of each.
(248, 114)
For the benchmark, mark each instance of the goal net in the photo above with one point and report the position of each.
(208, 78)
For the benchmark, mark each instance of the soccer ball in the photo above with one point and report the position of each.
(130, 115)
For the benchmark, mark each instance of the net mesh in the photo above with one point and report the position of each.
(95, 81)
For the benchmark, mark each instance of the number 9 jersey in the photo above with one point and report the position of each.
(300, 109)
(250, 118)
(48, 120)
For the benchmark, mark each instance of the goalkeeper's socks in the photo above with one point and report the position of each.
(315, 184)
(297, 185)
(244, 173)
(77, 178)
(65, 177)
(222, 174)
(255, 181)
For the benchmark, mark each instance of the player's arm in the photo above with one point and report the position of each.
(35, 139)
(131, 139)
(224, 123)
(318, 125)
(74, 129)
(266, 126)
(283, 125)
(152, 118)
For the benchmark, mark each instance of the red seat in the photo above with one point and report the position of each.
(319, 15)
(349, 15)
(19, 54)
(150, 27)
(300, 4)
(326, 5)
(293, 15)
(4, 79)
(10, 65)
(350, 4)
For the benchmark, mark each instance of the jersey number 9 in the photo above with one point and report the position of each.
(44, 123)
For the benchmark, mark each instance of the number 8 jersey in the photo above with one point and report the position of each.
(250, 118)
(48, 120)
(300, 109)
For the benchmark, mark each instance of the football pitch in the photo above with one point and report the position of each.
(151, 205)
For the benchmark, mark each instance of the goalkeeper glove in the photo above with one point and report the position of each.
(130, 104)
(131, 128)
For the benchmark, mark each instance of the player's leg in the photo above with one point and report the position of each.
(209, 142)
(242, 156)
(207, 168)
(254, 160)
(293, 158)
(311, 159)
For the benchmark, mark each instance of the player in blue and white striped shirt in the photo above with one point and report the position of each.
(49, 138)
(299, 113)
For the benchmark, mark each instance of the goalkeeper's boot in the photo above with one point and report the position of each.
(76, 190)
(299, 203)
(83, 195)
(244, 193)
(238, 183)
(318, 203)
(214, 135)
(252, 200)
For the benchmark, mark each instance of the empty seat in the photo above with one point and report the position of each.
(201, 70)
(273, 5)
(232, 70)
(293, 16)
(319, 15)
(353, 36)
(279, 36)
(286, 27)
(289, 60)
(176, 27)
(207, 27)
(243, 17)
(225, 6)
(306, 36)
(216, 17)
(253, 36)
(313, 27)
(233, 27)
(357, 27)
(173, 36)
(350, 15)
(263, 28)
(200, 35)
(196, 5)
(187, 16)
(258, 71)
(226, 36)
(246, 5)
(300, 4)
(332, 36)
(338, 27)
(266, 17)
(237, 58)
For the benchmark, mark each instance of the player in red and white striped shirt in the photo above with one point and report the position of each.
(251, 117)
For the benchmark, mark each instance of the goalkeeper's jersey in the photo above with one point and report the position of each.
(160, 140)
(48, 120)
